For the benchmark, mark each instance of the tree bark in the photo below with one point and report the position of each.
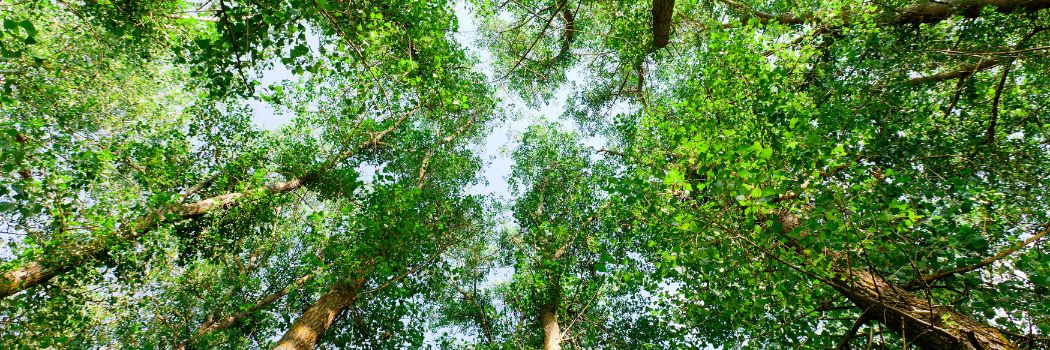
(918, 13)
(570, 29)
(40, 271)
(936, 11)
(915, 319)
(663, 11)
(551, 330)
(315, 321)
(957, 73)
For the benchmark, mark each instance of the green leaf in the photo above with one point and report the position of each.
(756, 192)
(765, 153)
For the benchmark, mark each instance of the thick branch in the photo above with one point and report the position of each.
(42, 270)
(852, 332)
(570, 30)
(56, 263)
(916, 319)
(936, 11)
(199, 186)
(998, 256)
(967, 70)
(923, 12)
(551, 330)
(989, 137)
(911, 316)
(960, 72)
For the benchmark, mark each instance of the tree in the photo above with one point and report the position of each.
(738, 174)
(155, 215)
(837, 164)
(555, 247)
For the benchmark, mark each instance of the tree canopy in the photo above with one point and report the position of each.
(718, 174)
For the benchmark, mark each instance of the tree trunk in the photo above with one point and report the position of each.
(570, 29)
(40, 271)
(314, 322)
(551, 331)
(913, 318)
(663, 11)
(932, 327)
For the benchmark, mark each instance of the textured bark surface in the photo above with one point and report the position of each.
(911, 317)
(936, 11)
(570, 29)
(551, 330)
(915, 319)
(40, 271)
(230, 199)
(314, 322)
(31, 274)
(663, 11)
(917, 13)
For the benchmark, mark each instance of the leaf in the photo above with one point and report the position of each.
(765, 153)
(756, 192)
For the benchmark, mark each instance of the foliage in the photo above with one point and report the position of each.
(806, 174)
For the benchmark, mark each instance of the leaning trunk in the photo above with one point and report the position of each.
(40, 271)
(914, 318)
(314, 322)
(551, 331)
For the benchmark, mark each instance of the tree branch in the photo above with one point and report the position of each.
(765, 18)
(989, 136)
(525, 54)
(1002, 254)
(861, 320)
(225, 322)
(960, 72)
(924, 12)
(481, 310)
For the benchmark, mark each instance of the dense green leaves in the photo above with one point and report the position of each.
(780, 174)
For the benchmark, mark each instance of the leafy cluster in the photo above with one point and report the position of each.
(725, 174)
